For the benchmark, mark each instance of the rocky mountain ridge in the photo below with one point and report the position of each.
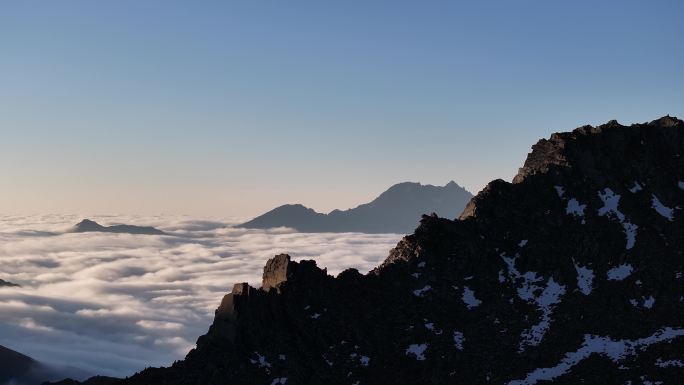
(4, 283)
(571, 274)
(88, 226)
(393, 211)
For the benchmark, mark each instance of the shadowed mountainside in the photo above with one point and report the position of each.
(395, 211)
(19, 369)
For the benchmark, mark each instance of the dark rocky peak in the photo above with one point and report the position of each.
(226, 315)
(280, 274)
(87, 226)
(281, 270)
(599, 152)
(589, 159)
(666, 121)
(4, 283)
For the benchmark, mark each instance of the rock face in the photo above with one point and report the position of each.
(571, 274)
(87, 226)
(394, 211)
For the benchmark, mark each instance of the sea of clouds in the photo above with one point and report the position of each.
(113, 304)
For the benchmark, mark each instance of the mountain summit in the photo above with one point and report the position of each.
(87, 226)
(572, 274)
(395, 211)
(4, 283)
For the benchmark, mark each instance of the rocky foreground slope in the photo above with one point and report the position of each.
(570, 274)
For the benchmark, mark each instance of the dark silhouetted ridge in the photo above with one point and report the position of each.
(86, 226)
(19, 369)
(396, 210)
(4, 283)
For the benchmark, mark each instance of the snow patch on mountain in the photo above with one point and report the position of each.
(610, 209)
(417, 350)
(469, 298)
(669, 363)
(421, 292)
(616, 350)
(575, 208)
(661, 209)
(459, 339)
(560, 190)
(635, 188)
(619, 273)
(550, 296)
(585, 278)
(546, 302)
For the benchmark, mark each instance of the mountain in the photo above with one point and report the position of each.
(4, 283)
(19, 369)
(87, 226)
(394, 211)
(571, 274)
(96, 380)
(14, 365)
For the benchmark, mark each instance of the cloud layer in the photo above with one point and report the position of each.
(113, 304)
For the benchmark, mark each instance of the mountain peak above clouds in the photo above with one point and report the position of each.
(396, 210)
(87, 225)
(4, 283)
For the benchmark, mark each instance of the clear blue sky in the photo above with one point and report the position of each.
(230, 108)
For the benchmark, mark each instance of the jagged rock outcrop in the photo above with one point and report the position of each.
(394, 211)
(276, 271)
(571, 274)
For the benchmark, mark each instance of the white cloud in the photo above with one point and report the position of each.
(113, 304)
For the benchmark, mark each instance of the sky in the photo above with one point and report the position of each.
(219, 108)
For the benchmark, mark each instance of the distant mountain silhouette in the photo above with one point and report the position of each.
(88, 226)
(4, 283)
(14, 365)
(19, 369)
(96, 380)
(396, 210)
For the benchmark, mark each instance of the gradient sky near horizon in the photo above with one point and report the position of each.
(219, 108)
